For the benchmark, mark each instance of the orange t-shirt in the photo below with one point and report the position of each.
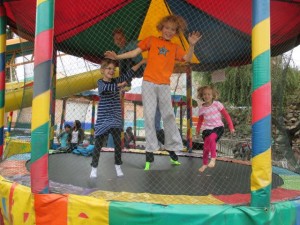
(161, 59)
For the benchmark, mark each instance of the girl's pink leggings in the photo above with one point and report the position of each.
(210, 145)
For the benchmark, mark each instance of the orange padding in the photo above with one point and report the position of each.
(51, 209)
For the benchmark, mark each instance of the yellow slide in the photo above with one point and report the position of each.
(17, 96)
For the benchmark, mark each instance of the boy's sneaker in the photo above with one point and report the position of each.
(93, 173)
(174, 162)
(147, 166)
(119, 171)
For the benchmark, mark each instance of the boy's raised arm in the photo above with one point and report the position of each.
(194, 37)
(126, 55)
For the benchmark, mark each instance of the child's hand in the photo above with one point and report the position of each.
(194, 37)
(232, 131)
(111, 55)
(123, 84)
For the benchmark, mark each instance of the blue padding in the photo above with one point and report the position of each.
(261, 135)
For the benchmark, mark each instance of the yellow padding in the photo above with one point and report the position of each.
(2, 43)
(5, 186)
(23, 207)
(14, 147)
(155, 198)
(40, 2)
(87, 210)
(1, 117)
(261, 170)
(41, 107)
(260, 38)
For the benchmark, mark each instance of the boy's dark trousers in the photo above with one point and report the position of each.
(100, 140)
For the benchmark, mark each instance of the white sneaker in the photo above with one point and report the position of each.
(93, 173)
(119, 171)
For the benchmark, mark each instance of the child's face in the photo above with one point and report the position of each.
(67, 129)
(120, 40)
(108, 72)
(169, 30)
(207, 95)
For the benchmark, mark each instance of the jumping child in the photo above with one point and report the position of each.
(109, 116)
(210, 120)
(162, 54)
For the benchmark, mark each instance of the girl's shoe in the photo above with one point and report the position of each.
(93, 172)
(119, 171)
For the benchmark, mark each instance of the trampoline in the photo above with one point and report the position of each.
(165, 195)
(185, 179)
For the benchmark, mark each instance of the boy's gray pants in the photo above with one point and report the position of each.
(160, 94)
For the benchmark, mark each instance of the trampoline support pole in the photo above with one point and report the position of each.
(53, 97)
(63, 115)
(9, 123)
(40, 124)
(261, 176)
(123, 119)
(189, 141)
(134, 118)
(2, 75)
(93, 121)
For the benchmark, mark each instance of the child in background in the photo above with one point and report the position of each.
(77, 135)
(109, 117)
(129, 138)
(210, 120)
(64, 138)
(162, 54)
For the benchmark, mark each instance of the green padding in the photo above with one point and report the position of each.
(39, 142)
(45, 16)
(261, 70)
(291, 182)
(2, 97)
(3, 23)
(151, 214)
(261, 197)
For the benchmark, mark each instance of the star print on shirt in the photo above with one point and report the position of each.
(162, 51)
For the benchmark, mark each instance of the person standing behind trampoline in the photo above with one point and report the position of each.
(210, 121)
(109, 116)
(162, 54)
(77, 135)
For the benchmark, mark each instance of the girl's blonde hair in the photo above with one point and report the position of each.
(200, 91)
(178, 20)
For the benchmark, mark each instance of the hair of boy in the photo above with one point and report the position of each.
(178, 20)
(118, 31)
(200, 91)
(105, 62)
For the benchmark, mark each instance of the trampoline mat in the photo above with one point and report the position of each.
(163, 178)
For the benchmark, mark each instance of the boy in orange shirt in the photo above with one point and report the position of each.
(162, 54)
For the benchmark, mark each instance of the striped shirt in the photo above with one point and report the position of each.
(212, 115)
(109, 113)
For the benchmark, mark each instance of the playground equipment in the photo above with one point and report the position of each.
(17, 97)
(85, 30)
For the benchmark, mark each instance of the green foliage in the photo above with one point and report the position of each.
(236, 89)
(285, 83)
